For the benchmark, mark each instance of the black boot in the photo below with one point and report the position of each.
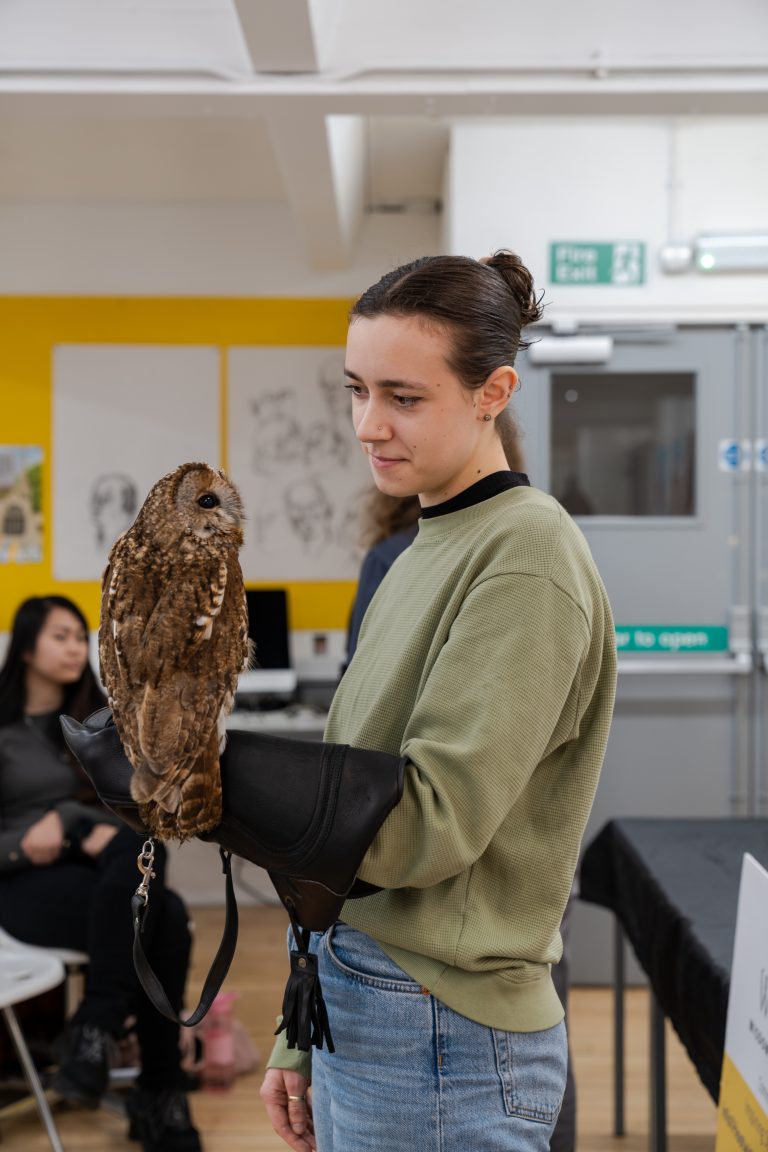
(161, 1121)
(83, 1073)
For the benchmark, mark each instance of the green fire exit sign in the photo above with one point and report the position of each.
(621, 262)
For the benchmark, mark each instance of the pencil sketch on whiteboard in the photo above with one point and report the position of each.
(114, 504)
(293, 452)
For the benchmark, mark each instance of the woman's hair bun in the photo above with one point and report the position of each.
(519, 281)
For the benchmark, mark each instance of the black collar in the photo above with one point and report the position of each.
(476, 493)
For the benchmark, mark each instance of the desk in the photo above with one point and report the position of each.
(296, 721)
(673, 887)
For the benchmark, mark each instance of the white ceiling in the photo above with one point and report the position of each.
(336, 106)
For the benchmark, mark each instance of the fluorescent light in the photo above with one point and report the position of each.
(732, 253)
(571, 350)
(676, 258)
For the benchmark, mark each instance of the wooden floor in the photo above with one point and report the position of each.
(235, 1121)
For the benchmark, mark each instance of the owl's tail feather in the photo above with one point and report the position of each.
(188, 809)
(160, 823)
(180, 825)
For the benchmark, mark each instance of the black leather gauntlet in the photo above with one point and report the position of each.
(306, 811)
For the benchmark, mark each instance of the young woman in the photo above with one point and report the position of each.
(391, 527)
(68, 870)
(487, 658)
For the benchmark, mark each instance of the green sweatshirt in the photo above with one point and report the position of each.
(488, 658)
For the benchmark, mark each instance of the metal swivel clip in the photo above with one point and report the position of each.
(144, 862)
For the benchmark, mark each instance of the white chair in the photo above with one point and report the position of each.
(73, 962)
(26, 971)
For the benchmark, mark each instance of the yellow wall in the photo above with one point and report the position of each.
(31, 326)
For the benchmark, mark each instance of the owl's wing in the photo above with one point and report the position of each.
(127, 601)
(193, 653)
(109, 670)
(182, 620)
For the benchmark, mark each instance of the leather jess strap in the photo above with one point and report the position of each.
(221, 961)
(304, 1017)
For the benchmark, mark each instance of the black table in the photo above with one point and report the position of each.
(673, 887)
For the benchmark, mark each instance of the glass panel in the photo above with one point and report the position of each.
(624, 444)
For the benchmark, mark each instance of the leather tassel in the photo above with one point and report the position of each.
(305, 1017)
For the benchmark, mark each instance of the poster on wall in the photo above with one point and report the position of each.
(294, 455)
(742, 1115)
(123, 416)
(21, 504)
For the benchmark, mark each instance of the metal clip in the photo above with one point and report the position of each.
(144, 862)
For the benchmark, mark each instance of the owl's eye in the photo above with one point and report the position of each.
(208, 500)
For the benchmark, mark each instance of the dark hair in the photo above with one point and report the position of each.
(483, 304)
(384, 515)
(80, 698)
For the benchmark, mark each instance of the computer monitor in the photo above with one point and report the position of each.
(268, 629)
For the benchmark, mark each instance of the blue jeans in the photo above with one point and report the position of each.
(410, 1073)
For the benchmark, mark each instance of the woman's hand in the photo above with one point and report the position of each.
(289, 1109)
(97, 839)
(42, 843)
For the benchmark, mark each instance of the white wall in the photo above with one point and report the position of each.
(195, 249)
(194, 870)
(523, 185)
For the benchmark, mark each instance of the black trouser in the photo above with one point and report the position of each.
(85, 904)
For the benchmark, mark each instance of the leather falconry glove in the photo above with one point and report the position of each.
(306, 811)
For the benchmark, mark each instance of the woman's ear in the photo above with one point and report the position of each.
(494, 395)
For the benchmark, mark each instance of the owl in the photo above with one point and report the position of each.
(173, 639)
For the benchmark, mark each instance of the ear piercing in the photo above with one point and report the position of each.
(487, 416)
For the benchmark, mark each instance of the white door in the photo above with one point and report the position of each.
(649, 450)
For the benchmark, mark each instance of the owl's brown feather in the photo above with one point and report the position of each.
(172, 641)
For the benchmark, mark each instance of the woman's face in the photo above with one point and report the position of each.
(422, 431)
(61, 651)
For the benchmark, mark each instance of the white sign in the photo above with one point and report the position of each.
(761, 455)
(742, 1122)
(734, 455)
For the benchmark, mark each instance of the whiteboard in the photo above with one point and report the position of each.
(294, 455)
(123, 416)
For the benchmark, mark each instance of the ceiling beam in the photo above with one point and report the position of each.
(322, 164)
(441, 95)
(278, 34)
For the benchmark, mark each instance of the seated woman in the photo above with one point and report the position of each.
(68, 870)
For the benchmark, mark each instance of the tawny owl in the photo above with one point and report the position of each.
(172, 640)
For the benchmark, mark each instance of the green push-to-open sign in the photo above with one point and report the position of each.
(671, 638)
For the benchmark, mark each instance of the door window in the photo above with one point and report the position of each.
(624, 444)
